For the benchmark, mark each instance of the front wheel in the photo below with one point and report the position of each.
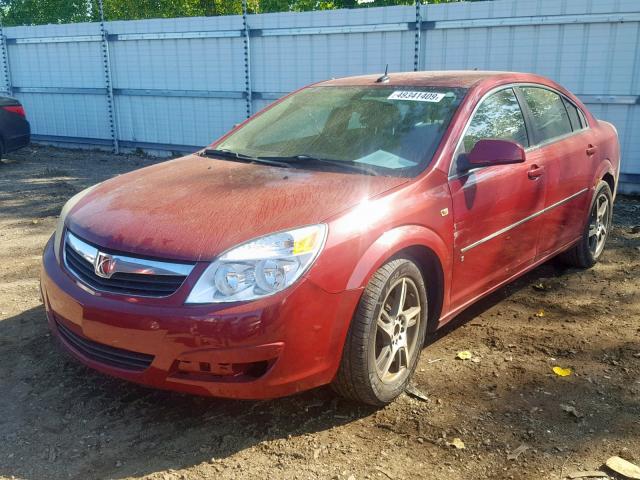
(587, 251)
(386, 335)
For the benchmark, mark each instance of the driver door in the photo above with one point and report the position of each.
(494, 208)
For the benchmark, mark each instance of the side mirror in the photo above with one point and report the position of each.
(495, 152)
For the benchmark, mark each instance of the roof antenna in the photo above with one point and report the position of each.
(384, 78)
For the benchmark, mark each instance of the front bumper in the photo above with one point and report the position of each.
(268, 348)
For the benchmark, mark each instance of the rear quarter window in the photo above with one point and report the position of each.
(574, 116)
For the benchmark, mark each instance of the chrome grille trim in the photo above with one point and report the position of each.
(132, 276)
(125, 264)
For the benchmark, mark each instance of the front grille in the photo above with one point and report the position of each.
(114, 357)
(138, 284)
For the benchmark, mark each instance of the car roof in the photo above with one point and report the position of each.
(444, 78)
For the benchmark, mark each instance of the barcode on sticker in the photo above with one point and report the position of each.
(416, 96)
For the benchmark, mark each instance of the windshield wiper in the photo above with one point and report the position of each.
(343, 164)
(224, 153)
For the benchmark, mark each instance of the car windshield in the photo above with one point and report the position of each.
(384, 130)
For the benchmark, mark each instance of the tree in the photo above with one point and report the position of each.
(38, 12)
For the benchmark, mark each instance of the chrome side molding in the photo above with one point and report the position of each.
(520, 222)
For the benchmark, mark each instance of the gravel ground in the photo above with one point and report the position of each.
(515, 418)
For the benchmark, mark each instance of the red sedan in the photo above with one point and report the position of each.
(323, 239)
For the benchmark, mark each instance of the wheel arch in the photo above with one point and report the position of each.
(423, 245)
(608, 177)
(605, 172)
(433, 273)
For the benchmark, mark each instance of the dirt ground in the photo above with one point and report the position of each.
(60, 420)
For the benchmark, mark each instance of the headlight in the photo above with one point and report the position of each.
(260, 267)
(63, 215)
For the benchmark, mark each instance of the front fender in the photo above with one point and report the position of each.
(365, 237)
(394, 241)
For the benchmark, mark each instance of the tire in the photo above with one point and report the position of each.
(587, 252)
(383, 346)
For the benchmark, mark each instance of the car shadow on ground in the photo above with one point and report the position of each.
(549, 270)
(92, 422)
(58, 413)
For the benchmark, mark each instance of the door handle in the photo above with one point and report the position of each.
(591, 150)
(535, 172)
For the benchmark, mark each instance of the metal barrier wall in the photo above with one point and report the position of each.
(177, 84)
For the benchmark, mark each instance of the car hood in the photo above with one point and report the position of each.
(194, 208)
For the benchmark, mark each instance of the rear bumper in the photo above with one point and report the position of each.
(269, 348)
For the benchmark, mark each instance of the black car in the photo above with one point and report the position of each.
(15, 132)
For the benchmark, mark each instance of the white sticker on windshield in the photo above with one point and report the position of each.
(380, 158)
(416, 96)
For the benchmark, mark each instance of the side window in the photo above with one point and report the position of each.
(549, 117)
(572, 110)
(583, 120)
(498, 117)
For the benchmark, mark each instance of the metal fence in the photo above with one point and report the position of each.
(176, 84)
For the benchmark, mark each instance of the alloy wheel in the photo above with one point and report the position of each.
(599, 224)
(397, 330)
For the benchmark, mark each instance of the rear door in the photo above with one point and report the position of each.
(564, 148)
(494, 207)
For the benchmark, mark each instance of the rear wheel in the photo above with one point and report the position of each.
(386, 335)
(589, 248)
